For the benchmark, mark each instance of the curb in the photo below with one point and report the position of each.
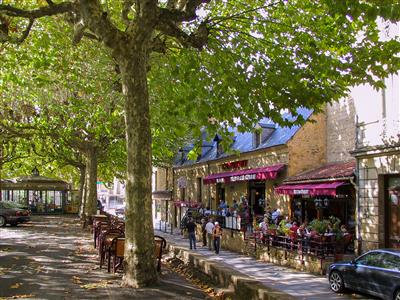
(240, 286)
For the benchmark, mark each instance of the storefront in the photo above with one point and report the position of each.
(248, 183)
(42, 194)
(322, 193)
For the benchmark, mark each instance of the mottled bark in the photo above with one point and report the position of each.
(1, 169)
(82, 176)
(139, 246)
(91, 199)
(131, 47)
(84, 199)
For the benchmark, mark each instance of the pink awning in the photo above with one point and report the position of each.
(263, 173)
(312, 189)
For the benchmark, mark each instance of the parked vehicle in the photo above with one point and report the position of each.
(376, 272)
(13, 213)
(120, 211)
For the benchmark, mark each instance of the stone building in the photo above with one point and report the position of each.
(256, 164)
(378, 164)
(329, 188)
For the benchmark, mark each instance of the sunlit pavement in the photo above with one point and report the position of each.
(51, 258)
(298, 284)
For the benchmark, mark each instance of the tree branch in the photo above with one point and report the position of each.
(98, 22)
(196, 40)
(127, 6)
(185, 13)
(51, 10)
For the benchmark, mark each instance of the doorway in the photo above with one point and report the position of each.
(392, 211)
(257, 197)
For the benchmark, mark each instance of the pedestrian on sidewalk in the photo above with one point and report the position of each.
(204, 231)
(217, 234)
(209, 229)
(191, 228)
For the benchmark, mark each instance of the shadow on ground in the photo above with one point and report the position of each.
(51, 258)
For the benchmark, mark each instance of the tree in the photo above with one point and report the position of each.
(69, 116)
(223, 60)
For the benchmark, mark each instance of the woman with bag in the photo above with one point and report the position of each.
(217, 234)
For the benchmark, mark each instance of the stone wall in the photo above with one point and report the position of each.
(341, 130)
(307, 149)
(234, 241)
(256, 159)
(161, 183)
(292, 259)
(194, 187)
(372, 170)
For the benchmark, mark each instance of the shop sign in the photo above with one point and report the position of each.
(243, 177)
(182, 182)
(300, 192)
(220, 180)
(235, 164)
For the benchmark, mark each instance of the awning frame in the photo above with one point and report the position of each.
(322, 188)
(263, 173)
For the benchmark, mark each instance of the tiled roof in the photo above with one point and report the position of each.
(336, 170)
(243, 142)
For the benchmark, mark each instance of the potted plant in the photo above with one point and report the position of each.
(320, 226)
(272, 229)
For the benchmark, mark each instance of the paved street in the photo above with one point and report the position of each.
(298, 284)
(51, 259)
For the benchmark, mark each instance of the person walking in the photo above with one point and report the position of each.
(191, 228)
(217, 234)
(209, 230)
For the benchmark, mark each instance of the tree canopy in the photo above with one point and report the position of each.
(186, 64)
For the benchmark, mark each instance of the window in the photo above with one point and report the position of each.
(220, 150)
(199, 186)
(256, 139)
(183, 192)
(218, 140)
(371, 259)
(390, 261)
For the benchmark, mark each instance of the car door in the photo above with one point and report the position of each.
(387, 274)
(359, 274)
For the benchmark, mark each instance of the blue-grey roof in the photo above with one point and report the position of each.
(243, 142)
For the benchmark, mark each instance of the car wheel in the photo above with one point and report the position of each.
(336, 282)
(397, 295)
(2, 221)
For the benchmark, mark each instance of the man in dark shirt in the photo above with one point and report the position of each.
(191, 228)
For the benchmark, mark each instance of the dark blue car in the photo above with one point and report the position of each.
(376, 272)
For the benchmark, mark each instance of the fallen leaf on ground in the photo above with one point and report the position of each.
(76, 280)
(8, 249)
(3, 271)
(22, 296)
(15, 286)
(92, 286)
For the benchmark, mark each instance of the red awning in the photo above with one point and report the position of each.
(312, 189)
(264, 173)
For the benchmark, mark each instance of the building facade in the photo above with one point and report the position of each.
(264, 160)
(378, 163)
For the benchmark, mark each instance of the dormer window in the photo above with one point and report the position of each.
(182, 154)
(256, 139)
(220, 150)
(262, 132)
(218, 140)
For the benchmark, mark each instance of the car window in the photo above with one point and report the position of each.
(390, 261)
(370, 259)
